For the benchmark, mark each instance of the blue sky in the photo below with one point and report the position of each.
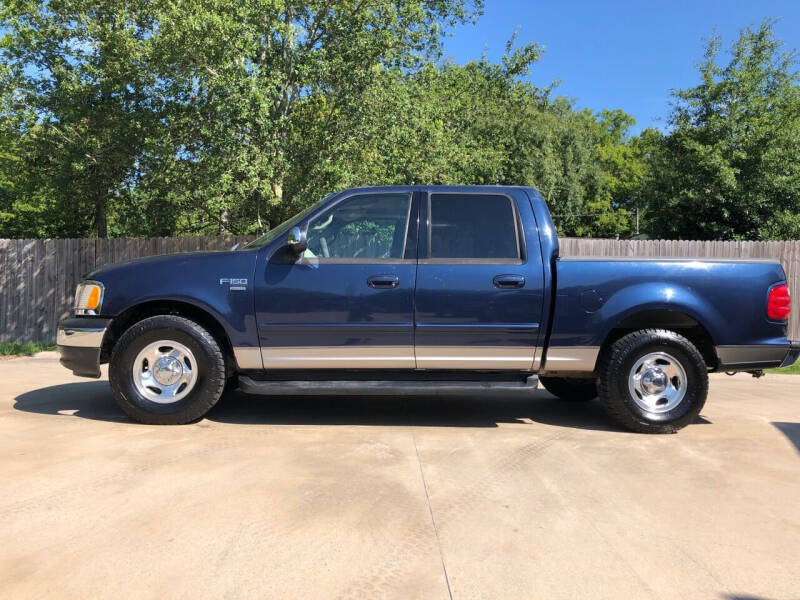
(619, 53)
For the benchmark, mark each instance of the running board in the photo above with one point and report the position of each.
(386, 388)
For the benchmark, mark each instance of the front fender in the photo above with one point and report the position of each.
(218, 283)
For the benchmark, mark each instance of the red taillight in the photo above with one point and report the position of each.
(779, 303)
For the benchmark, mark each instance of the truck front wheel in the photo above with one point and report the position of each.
(569, 388)
(653, 381)
(166, 370)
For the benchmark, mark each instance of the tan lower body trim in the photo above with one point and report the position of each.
(248, 358)
(517, 358)
(571, 358)
(338, 357)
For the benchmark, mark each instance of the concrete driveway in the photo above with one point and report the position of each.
(402, 498)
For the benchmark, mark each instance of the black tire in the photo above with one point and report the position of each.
(210, 371)
(619, 360)
(572, 389)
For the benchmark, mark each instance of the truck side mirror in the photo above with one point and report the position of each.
(296, 240)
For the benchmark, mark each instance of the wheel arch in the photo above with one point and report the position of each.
(673, 319)
(151, 308)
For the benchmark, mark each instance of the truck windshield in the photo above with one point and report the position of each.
(279, 230)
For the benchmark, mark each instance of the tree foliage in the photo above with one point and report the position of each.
(167, 118)
(728, 169)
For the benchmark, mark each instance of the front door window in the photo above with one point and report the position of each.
(368, 227)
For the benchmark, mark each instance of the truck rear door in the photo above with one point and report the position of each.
(479, 293)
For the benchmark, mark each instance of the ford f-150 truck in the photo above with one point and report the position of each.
(426, 290)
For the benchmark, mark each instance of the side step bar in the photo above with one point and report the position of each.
(386, 388)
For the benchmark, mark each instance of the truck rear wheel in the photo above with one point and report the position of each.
(570, 388)
(166, 370)
(653, 381)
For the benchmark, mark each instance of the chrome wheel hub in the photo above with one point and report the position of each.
(657, 382)
(165, 371)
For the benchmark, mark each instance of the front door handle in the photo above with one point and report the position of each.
(505, 282)
(383, 281)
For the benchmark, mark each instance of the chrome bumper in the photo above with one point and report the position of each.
(80, 337)
(80, 341)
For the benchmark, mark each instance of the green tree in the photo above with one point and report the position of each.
(86, 99)
(478, 123)
(242, 71)
(183, 111)
(728, 168)
(9, 157)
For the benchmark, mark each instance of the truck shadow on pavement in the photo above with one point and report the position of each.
(411, 410)
(89, 400)
(791, 431)
(93, 400)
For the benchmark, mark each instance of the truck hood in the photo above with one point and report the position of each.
(219, 281)
(187, 259)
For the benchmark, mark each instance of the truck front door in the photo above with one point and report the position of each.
(347, 302)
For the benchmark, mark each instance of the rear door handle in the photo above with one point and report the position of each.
(383, 281)
(509, 281)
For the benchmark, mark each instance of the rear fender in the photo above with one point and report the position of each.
(638, 298)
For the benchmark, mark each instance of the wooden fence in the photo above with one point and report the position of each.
(38, 277)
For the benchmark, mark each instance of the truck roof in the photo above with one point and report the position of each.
(442, 188)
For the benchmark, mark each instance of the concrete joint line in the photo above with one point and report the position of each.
(433, 520)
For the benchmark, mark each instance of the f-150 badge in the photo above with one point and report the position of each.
(235, 284)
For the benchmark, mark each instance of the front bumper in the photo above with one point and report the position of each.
(80, 341)
(746, 358)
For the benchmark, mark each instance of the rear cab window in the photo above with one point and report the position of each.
(473, 227)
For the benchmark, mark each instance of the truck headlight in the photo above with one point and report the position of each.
(89, 297)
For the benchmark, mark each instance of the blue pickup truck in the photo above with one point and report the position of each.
(426, 290)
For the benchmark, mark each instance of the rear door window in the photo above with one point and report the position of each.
(473, 226)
